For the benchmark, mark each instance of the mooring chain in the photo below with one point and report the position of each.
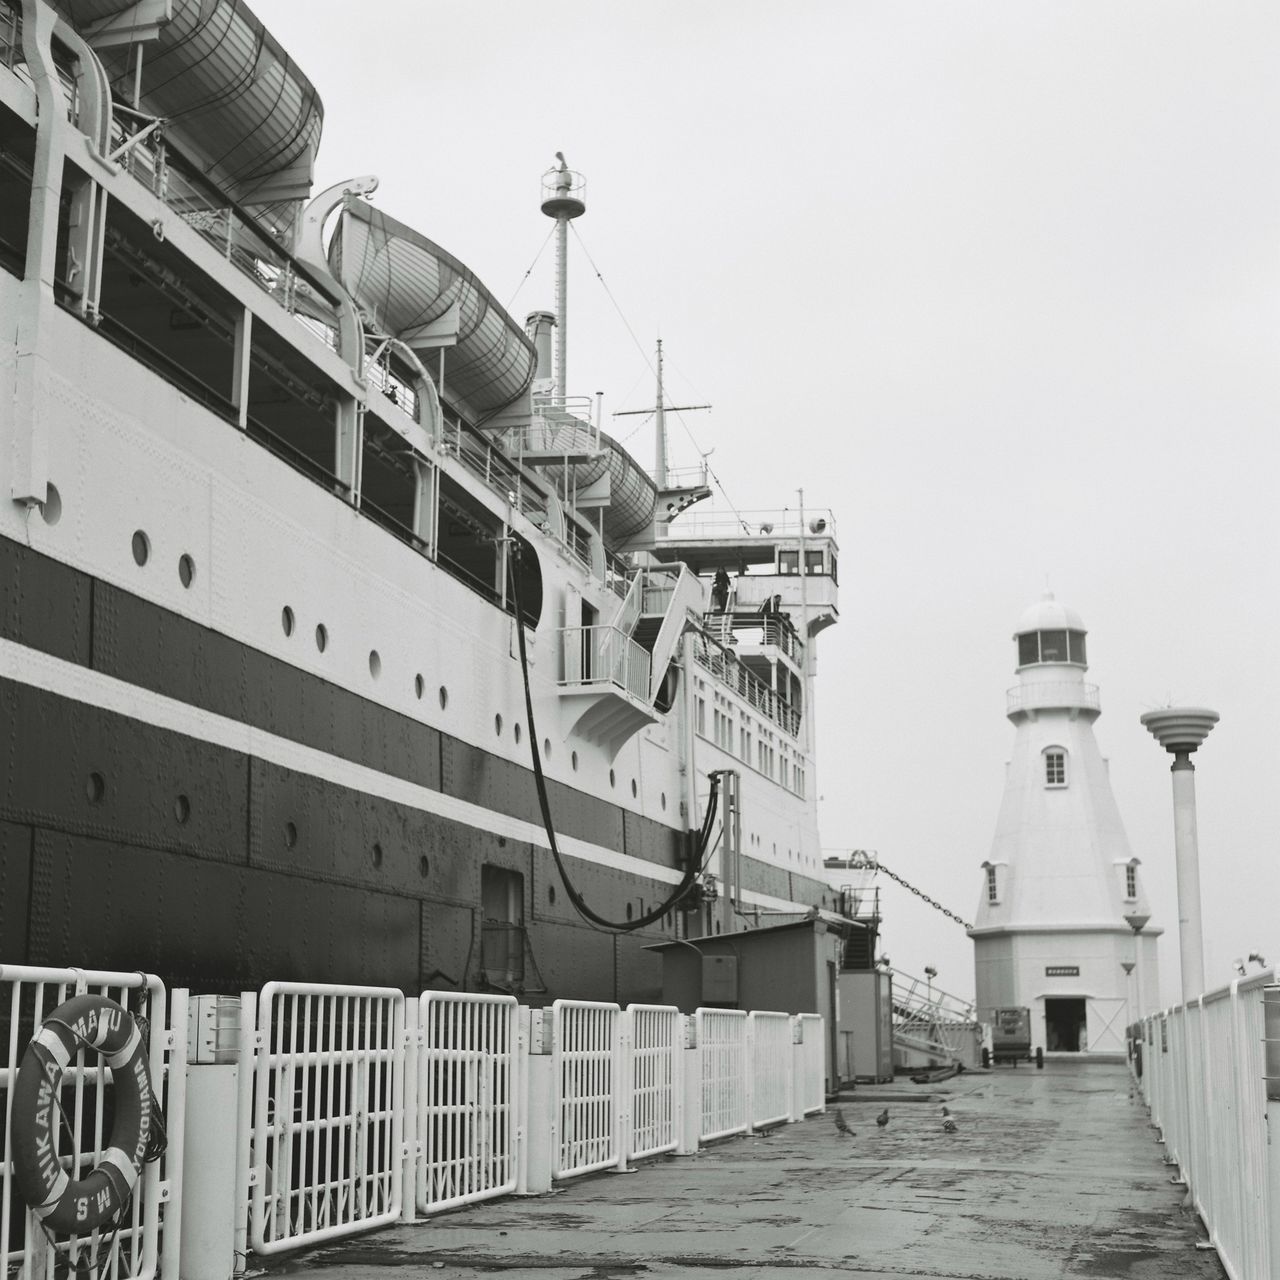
(879, 866)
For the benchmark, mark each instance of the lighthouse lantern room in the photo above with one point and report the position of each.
(1063, 926)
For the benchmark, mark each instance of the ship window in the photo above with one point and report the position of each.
(286, 620)
(18, 143)
(835, 578)
(788, 562)
(389, 481)
(1055, 768)
(813, 563)
(186, 569)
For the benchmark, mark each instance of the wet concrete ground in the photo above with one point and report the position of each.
(1052, 1173)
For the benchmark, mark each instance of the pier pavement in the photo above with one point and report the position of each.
(1052, 1173)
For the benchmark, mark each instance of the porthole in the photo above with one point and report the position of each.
(546, 748)
(51, 507)
(375, 663)
(376, 854)
(182, 809)
(290, 835)
(186, 569)
(628, 911)
(141, 548)
(551, 894)
(664, 799)
(635, 791)
(612, 779)
(424, 866)
(95, 788)
(419, 687)
(497, 725)
(444, 697)
(322, 637)
(515, 730)
(286, 620)
(573, 761)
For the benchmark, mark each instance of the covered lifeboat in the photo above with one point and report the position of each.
(234, 102)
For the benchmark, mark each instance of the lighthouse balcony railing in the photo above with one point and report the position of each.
(1054, 693)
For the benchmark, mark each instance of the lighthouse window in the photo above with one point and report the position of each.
(1076, 640)
(1053, 646)
(993, 894)
(1055, 768)
(1131, 881)
(1028, 648)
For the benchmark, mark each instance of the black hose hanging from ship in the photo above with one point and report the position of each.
(701, 839)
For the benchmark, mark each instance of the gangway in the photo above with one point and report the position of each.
(931, 1021)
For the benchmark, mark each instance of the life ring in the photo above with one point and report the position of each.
(64, 1203)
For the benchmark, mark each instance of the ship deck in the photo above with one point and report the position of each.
(1051, 1173)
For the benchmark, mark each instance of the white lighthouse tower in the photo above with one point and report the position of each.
(1063, 923)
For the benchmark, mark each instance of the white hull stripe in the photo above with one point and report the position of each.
(51, 1042)
(80, 684)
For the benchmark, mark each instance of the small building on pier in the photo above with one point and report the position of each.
(1063, 925)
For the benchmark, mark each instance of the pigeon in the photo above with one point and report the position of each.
(945, 1112)
(882, 1120)
(842, 1125)
(950, 1126)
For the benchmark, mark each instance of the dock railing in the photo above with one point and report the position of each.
(311, 1112)
(1202, 1071)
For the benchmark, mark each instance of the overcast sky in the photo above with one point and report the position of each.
(998, 283)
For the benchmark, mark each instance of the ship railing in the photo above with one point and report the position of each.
(148, 1238)
(605, 655)
(468, 1099)
(1208, 1071)
(764, 524)
(724, 664)
(328, 1113)
(770, 1037)
(756, 628)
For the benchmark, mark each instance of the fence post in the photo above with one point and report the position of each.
(533, 1177)
(176, 1097)
(690, 1130)
(749, 1072)
(244, 1122)
(1271, 1075)
(410, 1145)
(623, 1078)
(798, 1076)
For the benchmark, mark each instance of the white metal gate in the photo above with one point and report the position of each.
(467, 1092)
(655, 1097)
(27, 996)
(811, 1067)
(586, 1070)
(722, 1042)
(328, 1143)
(769, 1035)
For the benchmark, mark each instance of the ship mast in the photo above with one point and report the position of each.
(660, 409)
(563, 198)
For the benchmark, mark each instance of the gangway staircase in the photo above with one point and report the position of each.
(931, 1021)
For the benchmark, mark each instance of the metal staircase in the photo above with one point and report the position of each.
(928, 1020)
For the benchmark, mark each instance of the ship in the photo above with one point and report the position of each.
(339, 641)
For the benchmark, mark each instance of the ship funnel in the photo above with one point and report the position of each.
(538, 325)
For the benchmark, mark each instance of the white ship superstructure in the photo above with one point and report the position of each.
(275, 468)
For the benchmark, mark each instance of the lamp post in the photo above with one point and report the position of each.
(1137, 923)
(1180, 731)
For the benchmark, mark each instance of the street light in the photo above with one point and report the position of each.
(1137, 922)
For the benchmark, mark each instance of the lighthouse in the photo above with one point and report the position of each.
(1063, 926)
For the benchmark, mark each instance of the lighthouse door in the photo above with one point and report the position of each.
(1064, 1024)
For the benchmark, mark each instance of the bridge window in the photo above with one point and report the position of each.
(813, 563)
(788, 562)
(1055, 768)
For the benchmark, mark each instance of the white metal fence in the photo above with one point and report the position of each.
(772, 1062)
(467, 1091)
(355, 1107)
(150, 1230)
(726, 1080)
(587, 1071)
(1202, 1068)
(656, 1042)
(328, 1113)
(811, 1068)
